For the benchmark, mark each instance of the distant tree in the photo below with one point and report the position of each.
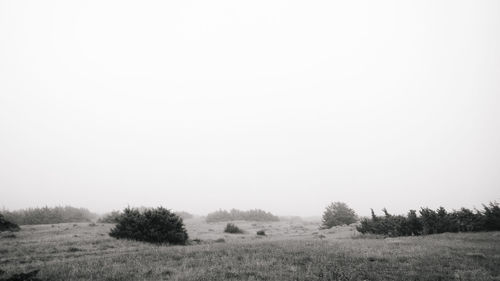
(234, 214)
(338, 213)
(112, 217)
(157, 225)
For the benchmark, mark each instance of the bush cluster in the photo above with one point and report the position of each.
(430, 221)
(50, 215)
(251, 215)
(6, 225)
(231, 228)
(156, 225)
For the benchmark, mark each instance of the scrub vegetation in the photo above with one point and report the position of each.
(289, 251)
(49, 215)
(429, 221)
(234, 214)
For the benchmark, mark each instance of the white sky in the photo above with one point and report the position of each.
(279, 105)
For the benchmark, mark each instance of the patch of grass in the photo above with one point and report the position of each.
(10, 235)
(303, 257)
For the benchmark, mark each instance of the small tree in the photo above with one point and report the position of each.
(338, 213)
(157, 225)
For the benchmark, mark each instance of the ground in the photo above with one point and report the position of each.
(291, 250)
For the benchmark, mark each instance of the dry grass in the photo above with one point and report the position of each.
(290, 251)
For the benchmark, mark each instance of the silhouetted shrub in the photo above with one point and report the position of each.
(50, 215)
(431, 222)
(261, 233)
(231, 228)
(338, 213)
(6, 225)
(251, 215)
(157, 225)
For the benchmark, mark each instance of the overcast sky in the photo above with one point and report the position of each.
(279, 105)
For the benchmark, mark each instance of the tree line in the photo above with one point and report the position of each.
(234, 214)
(429, 221)
(49, 215)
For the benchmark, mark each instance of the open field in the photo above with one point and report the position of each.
(290, 251)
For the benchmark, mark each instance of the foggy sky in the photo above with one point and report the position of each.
(279, 105)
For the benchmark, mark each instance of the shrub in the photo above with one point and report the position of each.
(261, 233)
(158, 225)
(231, 228)
(338, 213)
(6, 225)
(251, 215)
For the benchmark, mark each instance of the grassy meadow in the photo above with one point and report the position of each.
(289, 251)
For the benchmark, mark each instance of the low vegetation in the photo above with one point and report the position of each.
(111, 217)
(184, 215)
(338, 213)
(234, 214)
(261, 233)
(155, 225)
(432, 222)
(50, 215)
(298, 256)
(6, 225)
(232, 228)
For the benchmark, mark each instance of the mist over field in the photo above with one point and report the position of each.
(228, 140)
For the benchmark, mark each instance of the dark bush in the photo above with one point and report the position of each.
(251, 215)
(231, 228)
(492, 216)
(158, 225)
(6, 225)
(338, 213)
(261, 233)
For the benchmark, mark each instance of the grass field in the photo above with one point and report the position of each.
(290, 251)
